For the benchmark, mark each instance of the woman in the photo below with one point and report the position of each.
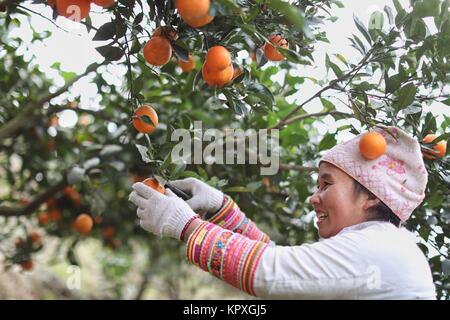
(364, 252)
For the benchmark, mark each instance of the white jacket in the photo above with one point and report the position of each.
(371, 260)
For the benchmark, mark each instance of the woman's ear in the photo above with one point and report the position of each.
(370, 202)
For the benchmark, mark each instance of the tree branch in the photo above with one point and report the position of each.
(319, 114)
(23, 118)
(32, 206)
(331, 85)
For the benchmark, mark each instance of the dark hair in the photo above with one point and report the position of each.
(379, 212)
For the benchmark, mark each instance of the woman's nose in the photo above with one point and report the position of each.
(315, 199)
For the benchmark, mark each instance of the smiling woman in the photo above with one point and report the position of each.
(364, 254)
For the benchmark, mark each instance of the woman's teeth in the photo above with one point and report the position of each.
(322, 216)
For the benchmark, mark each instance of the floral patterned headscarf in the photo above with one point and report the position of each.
(398, 177)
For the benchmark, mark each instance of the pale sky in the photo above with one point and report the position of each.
(75, 50)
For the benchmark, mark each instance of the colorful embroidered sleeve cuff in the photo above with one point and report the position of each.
(227, 255)
(232, 218)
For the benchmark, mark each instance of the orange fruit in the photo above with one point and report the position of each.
(35, 237)
(104, 3)
(83, 224)
(74, 9)
(166, 32)
(51, 145)
(24, 201)
(51, 3)
(198, 22)
(137, 178)
(43, 218)
(27, 265)
(187, 66)
(192, 8)
(109, 232)
(51, 203)
(54, 121)
(266, 182)
(217, 78)
(157, 51)
(154, 184)
(98, 219)
(73, 195)
(218, 58)
(145, 119)
(55, 215)
(18, 242)
(372, 145)
(440, 147)
(270, 49)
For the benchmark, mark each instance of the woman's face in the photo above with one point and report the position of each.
(335, 202)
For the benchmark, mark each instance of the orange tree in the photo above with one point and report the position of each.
(401, 68)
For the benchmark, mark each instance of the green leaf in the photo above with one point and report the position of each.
(203, 174)
(397, 5)
(110, 53)
(293, 14)
(180, 49)
(263, 93)
(143, 151)
(376, 21)
(446, 101)
(189, 174)
(362, 29)
(427, 8)
(445, 265)
(392, 83)
(293, 56)
(135, 46)
(327, 142)
(237, 189)
(406, 95)
(105, 32)
(389, 14)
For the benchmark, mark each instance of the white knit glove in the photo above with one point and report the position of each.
(205, 199)
(163, 215)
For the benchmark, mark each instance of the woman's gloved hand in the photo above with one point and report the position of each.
(205, 199)
(161, 214)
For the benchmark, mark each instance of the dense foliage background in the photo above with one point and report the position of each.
(402, 68)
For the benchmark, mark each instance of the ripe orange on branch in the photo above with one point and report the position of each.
(440, 147)
(372, 145)
(83, 224)
(104, 3)
(109, 232)
(194, 12)
(217, 78)
(27, 265)
(43, 218)
(145, 119)
(270, 49)
(199, 22)
(73, 9)
(73, 195)
(218, 58)
(35, 237)
(189, 65)
(157, 51)
(154, 184)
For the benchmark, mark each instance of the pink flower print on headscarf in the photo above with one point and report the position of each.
(393, 165)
